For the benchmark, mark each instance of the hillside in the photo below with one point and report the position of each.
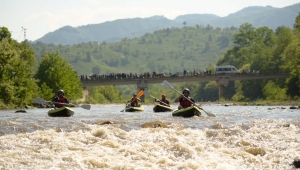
(166, 50)
(110, 31)
(114, 31)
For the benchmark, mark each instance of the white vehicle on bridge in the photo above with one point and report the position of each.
(220, 70)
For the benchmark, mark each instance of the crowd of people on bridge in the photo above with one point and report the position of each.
(130, 75)
(154, 74)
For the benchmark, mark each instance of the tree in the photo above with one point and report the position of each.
(104, 94)
(291, 63)
(57, 73)
(273, 92)
(284, 37)
(4, 33)
(16, 70)
(291, 58)
(245, 36)
(297, 26)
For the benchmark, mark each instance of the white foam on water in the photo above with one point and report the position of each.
(262, 144)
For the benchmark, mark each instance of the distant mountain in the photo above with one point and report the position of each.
(113, 31)
(110, 31)
(196, 17)
(261, 16)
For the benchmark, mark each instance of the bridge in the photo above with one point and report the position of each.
(221, 80)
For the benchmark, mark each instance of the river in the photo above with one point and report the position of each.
(239, 137)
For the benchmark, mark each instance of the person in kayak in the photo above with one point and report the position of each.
(60, 100)
(134, 101)
(183, 101)
(164, 101)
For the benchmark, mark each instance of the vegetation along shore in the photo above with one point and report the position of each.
(30, 70)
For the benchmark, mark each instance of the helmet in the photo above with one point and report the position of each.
(163, 95)
(60, 91)
(185, 89)
(134, 95)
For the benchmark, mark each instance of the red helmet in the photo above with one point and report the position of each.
(163, 95)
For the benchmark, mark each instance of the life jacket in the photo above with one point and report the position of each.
(164, 102)
(185, 103)
(60, 101)
(134, 102)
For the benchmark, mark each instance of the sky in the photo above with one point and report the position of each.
(32, 19)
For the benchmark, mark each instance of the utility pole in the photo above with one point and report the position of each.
(24, 29)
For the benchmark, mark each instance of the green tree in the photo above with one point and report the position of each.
(297, 26)
(104, 94)
(273, 92)
(245, 36)
(4, 33)
(45, 91)
(56, 73)
(291, 63)
(291, 58)
(284, 37)
(16, 70)
(257, 49)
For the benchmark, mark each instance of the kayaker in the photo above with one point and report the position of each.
(134, 101)
(164, 101)
(60, 100)
(183, 102)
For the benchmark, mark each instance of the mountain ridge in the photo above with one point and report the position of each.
(114, 31)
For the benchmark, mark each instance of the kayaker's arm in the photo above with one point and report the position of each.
(168, 103)
(178, 99)
(66, 101)
(54, 100)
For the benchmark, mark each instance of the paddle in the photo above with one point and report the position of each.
(141, 92)
(167, 84)
(41, 101)
(147, 94)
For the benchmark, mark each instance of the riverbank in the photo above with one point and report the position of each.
(259, 103)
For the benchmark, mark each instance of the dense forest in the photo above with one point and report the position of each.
(39, 70)
(169, 50)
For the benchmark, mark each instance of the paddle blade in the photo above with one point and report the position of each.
(86, 106)
(166, 84)
(169, 85)
(209, 114)
(141, 92)
(39, 101)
